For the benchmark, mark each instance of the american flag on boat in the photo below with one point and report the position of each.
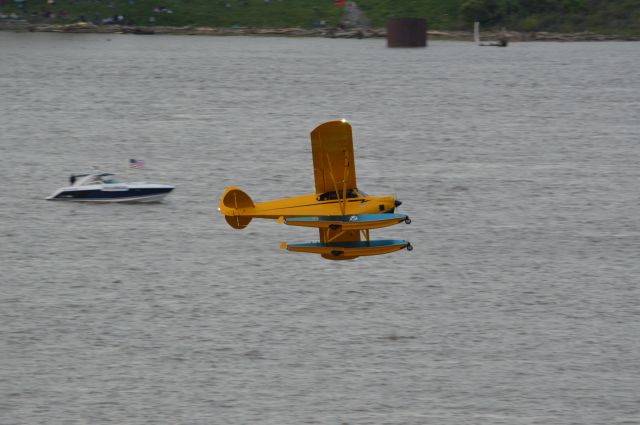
(136, 163)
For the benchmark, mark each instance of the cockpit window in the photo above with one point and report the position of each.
(332, 196)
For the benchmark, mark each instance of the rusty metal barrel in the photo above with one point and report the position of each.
(406, 32)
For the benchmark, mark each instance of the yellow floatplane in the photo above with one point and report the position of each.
(342, 213)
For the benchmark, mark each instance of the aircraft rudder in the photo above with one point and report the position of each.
(235, 198)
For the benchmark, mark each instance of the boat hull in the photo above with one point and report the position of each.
(133, 199)
(130, 195)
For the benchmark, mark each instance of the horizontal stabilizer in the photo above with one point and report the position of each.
(236, 206)
(349, 222)
(349, 250)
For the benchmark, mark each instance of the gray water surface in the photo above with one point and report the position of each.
(519, 168)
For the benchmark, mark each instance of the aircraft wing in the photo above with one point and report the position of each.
(334, 167)
(347, 246)
(340, 235)
(348, 222)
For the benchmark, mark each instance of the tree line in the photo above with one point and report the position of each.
(554, 14)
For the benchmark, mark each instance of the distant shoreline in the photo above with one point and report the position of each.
(514, 36)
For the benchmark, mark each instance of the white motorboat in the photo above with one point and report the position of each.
(99, 186)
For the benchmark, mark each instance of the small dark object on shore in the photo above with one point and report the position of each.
(407, 32)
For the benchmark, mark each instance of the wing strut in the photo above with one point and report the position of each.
(335, 184)
(344, 183)
(334, 237)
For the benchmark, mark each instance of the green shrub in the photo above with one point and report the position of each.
(530, 23)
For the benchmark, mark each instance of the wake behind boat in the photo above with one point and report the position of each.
(99, 186)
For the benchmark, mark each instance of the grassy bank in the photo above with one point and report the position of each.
(216, 13)
(600, 16)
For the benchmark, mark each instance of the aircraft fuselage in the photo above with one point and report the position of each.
(309, 205)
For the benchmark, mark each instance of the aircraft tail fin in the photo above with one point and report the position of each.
(234, 200)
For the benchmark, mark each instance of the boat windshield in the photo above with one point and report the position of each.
(110, 180)
(87, 179)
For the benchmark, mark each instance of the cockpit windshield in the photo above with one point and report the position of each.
(332, 196)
